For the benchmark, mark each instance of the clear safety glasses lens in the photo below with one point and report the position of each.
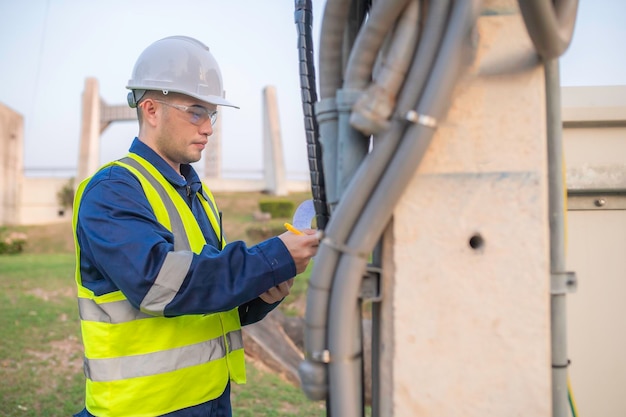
(197, 115)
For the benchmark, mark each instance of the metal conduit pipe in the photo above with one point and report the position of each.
(313, 370)
(550, 24)
(375, 105)
(434, 102)
(303, 17)
(426, 49)
(352, 145)
(359, 10)
(397, 59)
(369, 40)
(326, 116)
(331, 40)
(556, 202)
(331, 75)
(377, 373)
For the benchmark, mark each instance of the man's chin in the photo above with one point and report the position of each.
(193, 158)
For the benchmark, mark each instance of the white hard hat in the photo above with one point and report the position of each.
(178, 64)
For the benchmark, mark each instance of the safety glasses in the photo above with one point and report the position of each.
(197, 114)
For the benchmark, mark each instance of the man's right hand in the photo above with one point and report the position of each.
(301, 247)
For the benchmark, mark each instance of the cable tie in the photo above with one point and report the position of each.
(562, 366)
(422, 119)
(321, 356)
(340, 247)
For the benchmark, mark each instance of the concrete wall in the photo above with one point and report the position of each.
(39, 203)
(11, 165)
(24, 200)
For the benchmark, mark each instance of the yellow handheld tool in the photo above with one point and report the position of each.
(293, 229)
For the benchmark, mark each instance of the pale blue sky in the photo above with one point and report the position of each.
(49, 47)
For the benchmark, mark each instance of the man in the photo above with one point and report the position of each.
(161, 297)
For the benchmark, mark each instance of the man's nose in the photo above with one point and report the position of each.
(206, 128)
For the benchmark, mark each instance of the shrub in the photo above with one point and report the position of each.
(277, 208)
(65, 196)
(262, 232)
(12, 242)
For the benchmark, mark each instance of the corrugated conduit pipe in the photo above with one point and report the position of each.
(304, 21)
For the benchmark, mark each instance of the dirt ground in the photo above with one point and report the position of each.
(49, 238)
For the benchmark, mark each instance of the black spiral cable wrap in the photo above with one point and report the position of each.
(304, 22)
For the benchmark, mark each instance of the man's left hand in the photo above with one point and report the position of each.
(278, 292)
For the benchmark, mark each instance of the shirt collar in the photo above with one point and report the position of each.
(193, 180)
(147, 153)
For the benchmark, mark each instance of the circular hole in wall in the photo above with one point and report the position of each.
(476, 241)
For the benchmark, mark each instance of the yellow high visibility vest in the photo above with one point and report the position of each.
(138, 362)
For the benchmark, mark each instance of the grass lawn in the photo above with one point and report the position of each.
(40, 348)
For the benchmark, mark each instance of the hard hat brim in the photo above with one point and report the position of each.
(210, 99)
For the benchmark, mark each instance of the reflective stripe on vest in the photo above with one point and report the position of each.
(135, 354)
(181, 242)
(114, 369)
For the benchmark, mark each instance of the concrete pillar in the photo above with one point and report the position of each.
(213, 152)
(466, 318)
(96, 117)
(273, 159)
(11, 165)
(89, 151)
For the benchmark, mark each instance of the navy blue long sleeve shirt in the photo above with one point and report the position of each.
(123, 247)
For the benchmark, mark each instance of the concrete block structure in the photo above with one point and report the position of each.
(477, 341)
(594, 135)
(470, 292)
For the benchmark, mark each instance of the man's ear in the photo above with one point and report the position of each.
(149, 111)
